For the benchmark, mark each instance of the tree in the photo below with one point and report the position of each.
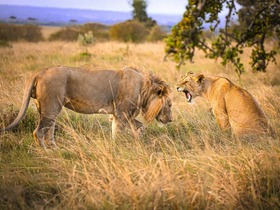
(140, 14)
(258, 21)
(12, 17)
(129, 31)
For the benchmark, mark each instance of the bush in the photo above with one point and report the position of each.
(65, 34)
(4, 43)
(28, 32)
(99, 31)
(129, 31)
(86, 39)
(156, 34)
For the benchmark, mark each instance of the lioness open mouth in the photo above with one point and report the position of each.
(188, 95)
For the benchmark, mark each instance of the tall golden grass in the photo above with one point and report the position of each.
(188, 164)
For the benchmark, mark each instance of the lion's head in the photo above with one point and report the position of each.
(157, 103)
(192, 85)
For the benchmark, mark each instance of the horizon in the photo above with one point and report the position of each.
(166, 7)
(53, 7)
(65, 16)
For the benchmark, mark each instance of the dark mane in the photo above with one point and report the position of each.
(152, 103)
(157, 80)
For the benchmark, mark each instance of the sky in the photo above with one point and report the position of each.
(154, 6)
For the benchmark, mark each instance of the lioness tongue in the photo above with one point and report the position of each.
(189, 97)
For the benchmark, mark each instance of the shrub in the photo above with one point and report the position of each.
(28, 32)
(133, 31)
(99, 31)
(65, 34)
(4, 43)
(156, 34)
(86, 39)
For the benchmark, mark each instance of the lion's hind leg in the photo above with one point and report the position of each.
(49, 137)
(43, 130)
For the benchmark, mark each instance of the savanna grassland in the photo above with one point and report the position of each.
(188, 164)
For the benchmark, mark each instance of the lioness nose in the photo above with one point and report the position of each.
(179, 88)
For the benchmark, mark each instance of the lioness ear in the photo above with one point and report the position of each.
(199, 79)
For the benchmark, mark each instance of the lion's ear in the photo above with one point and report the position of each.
(160, 91)
(199, 79)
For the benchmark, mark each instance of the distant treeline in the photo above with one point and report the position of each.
(128, 31)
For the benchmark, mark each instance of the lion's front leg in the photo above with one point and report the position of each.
(138, 127)
(116, 126)
(119, 124)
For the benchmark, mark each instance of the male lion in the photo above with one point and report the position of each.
(122, 93)
(233, 107)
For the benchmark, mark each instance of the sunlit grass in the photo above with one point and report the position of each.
(188, 164)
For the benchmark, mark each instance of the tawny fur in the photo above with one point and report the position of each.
(234, 107)
(121, 93)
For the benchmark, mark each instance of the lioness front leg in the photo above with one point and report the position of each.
(222, 118)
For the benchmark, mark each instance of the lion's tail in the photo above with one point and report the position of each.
(26, 99)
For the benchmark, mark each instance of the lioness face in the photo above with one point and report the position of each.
(165, 116)
(192, 85)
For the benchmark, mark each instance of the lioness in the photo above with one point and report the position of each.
(122, 93)
(233, 107)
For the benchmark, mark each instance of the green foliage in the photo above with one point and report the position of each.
(259, 20)
(28, 32)
(4, 43)
(28, 123)
(129, 31)
(86, 39)
(140, 14)
(83, 56)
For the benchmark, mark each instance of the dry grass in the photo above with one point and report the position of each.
(188, 164)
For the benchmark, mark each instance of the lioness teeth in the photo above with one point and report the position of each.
(188, 96)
